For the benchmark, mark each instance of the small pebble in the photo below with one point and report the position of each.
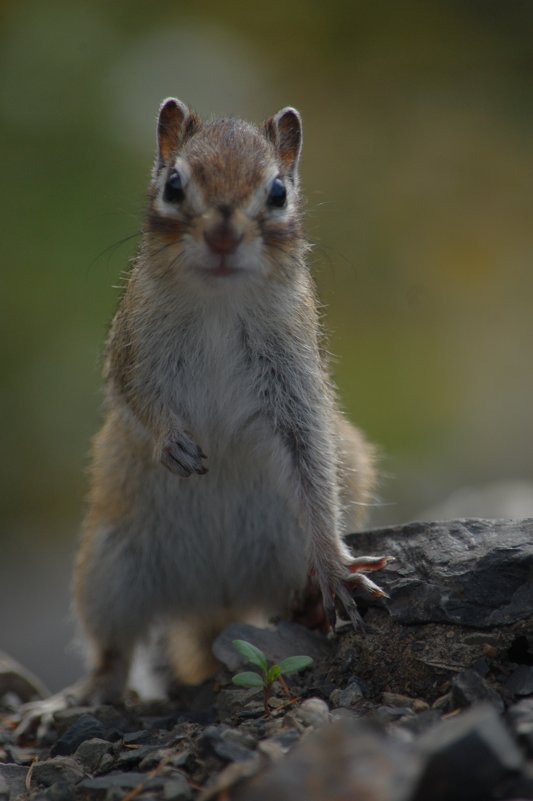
(390, 714)
(347, 697)
(177, 789)
(178, 759)
(130, 757)
(57, 769)
(442, 702)
(395, 699)
(60, 791)
(313, 712)
(86, 727)
(468, 688)
(91, 752)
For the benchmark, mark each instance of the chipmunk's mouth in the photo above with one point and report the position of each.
(223, 268)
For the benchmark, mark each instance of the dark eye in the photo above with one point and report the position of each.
(174, 192)
(277, 196)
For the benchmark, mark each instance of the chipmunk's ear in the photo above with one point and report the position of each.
(175, 124)
(284, 130)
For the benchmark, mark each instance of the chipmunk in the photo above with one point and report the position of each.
(224, 475)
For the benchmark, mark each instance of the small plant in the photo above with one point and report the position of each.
(267, 675)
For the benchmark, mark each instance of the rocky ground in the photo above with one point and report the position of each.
(435, 702)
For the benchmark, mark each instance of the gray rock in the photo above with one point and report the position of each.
(396, 699)
(129, 757)
(100, 785)
(520, 682)
(234, 702)
(137, 737)
(86, 727)
(471, 572)
(240, 737)
(90, 753)
(347, 697)
(106, 763)
(177, 789)
(178, 759)
(14, 777)
(468, 688)
(4, 789)
(111, 794)
(214, 739)
(287, 639)
(312, 712)
(466, 756)
(60, 791)
(58, 769)
(390, 714)
(64, 718)
(109, 716)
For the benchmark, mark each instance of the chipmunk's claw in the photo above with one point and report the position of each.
(342, 588)
(367, 564)
(181, 455)
(330, 611)
(37, 717)
(350, 607)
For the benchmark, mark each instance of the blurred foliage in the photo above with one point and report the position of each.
(417, 171)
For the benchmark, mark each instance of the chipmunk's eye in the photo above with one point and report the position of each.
(174, 192)
(277, 196)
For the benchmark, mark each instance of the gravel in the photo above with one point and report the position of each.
(431, 703)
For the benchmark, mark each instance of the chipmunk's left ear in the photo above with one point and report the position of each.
(284, 130)
(175, 124)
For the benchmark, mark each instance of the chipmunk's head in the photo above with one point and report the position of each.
(224, 197)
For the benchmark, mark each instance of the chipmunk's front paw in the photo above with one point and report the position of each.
(181, 455)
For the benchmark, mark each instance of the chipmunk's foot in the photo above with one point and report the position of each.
(38, 716)
(181, 455)
(341, 589)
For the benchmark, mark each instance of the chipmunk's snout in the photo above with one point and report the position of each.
(226, 243)
(222, 232)
(223, 239)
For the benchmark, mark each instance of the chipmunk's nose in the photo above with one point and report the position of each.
(223, 238)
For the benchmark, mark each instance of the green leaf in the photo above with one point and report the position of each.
(295, 663)
(273, 674)
(252, 654)
(248, 679)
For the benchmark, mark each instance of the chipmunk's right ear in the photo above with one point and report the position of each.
(284, 130)
(175, 124)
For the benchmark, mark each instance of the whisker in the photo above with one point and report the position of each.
(113, 247)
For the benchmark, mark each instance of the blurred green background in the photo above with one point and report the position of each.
(417, 169)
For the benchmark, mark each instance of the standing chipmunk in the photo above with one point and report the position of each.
(224, 476)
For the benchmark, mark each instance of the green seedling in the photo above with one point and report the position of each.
(267, 675)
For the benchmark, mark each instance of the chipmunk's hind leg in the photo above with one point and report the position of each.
(108, 588)
(356, 474)
(357, 478)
